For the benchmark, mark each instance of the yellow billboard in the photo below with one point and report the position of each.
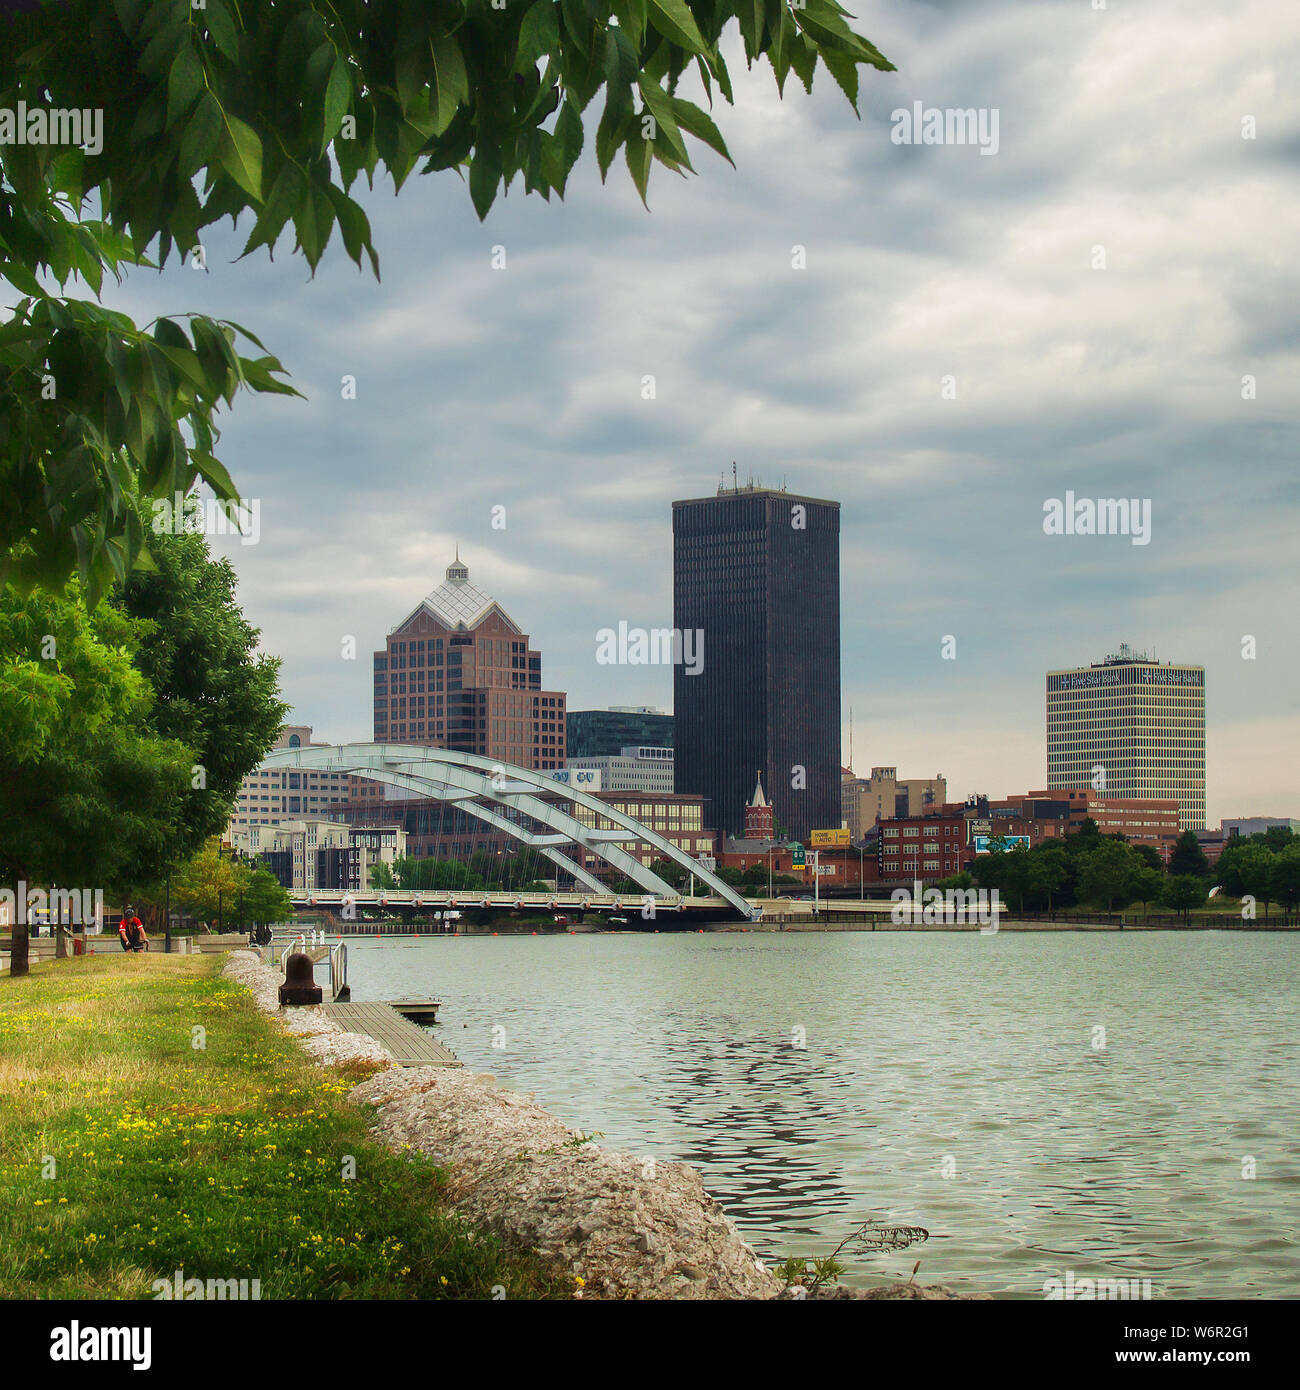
(824, 838)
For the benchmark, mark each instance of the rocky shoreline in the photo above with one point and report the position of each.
(625, 1226)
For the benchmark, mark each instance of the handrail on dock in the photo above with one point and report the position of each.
(339, 988)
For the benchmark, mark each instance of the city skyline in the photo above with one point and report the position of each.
(522, 389)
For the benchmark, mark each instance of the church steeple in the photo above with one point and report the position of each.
(759, 815)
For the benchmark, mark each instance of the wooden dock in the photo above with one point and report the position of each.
(410, 1045)
(418, 1010)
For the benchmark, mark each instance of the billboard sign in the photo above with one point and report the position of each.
(823, 838)
(982, 843)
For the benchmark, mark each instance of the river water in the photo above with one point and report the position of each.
(1039, 1102)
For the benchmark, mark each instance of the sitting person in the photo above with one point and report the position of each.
(130, 931)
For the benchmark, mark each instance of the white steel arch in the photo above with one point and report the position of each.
(446, 775)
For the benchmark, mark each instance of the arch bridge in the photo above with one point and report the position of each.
(491, 791)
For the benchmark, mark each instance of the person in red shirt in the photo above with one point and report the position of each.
(130, 931)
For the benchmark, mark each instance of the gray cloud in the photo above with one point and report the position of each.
(1119, 128)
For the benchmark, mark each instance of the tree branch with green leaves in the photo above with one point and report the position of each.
(274, 109)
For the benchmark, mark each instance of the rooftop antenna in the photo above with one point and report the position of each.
(735, 486)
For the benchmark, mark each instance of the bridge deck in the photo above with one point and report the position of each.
(410, 1045)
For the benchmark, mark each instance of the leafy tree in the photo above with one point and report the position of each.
(1045, 875)
(962, 881)
(1106, 873)
(275, 110)
(208, 884)
(1254, 871)
(1086, 838)
(264, 898)
(1188, 857)
(1019, 873)
(88, 793)
(1147, 884)
(1227, 868)
(215, 692)
(1184, 892)
(1285, 878)
(1276, 837)
(1150, 856)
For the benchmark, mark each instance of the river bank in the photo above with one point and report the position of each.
(620, 1224)
(154, 1121)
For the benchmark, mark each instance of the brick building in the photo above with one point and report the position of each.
(457, 672)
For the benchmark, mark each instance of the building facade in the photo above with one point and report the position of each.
(457, 672)
(636, 768)
(756, 583)
(314, 853)
(268, 798)
(933, 845)
(604, 733)
(882, 796)
(1130, 728)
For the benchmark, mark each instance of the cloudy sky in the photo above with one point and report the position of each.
(1119, 128)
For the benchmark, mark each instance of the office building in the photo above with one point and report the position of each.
(756, 590)
(268, 798)
(314, 853)
(636, 768)
(458, 672)
(1130, 728)
(604, 733)
(882, 796)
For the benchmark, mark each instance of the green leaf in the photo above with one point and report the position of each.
(240, 154)
(183, 82)
(844, 70)
(639, 153)
(484, 176)
(338, 97)
(313, 220)
(450, 80)
(659, 105)
(353, 223)
(539, 35)
(677, 24)
(285, 198)
(568, 135)
(18, 274)
(691, 118)
(202, 134)
(222, 29)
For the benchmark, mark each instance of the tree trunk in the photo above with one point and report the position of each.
(18, 954)
(60, 942)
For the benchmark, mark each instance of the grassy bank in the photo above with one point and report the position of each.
(128, 1152)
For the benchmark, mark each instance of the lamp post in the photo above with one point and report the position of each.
(862, 887)
(167, 917)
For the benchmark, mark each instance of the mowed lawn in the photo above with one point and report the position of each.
(151, 1119)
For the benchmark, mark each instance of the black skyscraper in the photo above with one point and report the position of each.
(758, 572)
